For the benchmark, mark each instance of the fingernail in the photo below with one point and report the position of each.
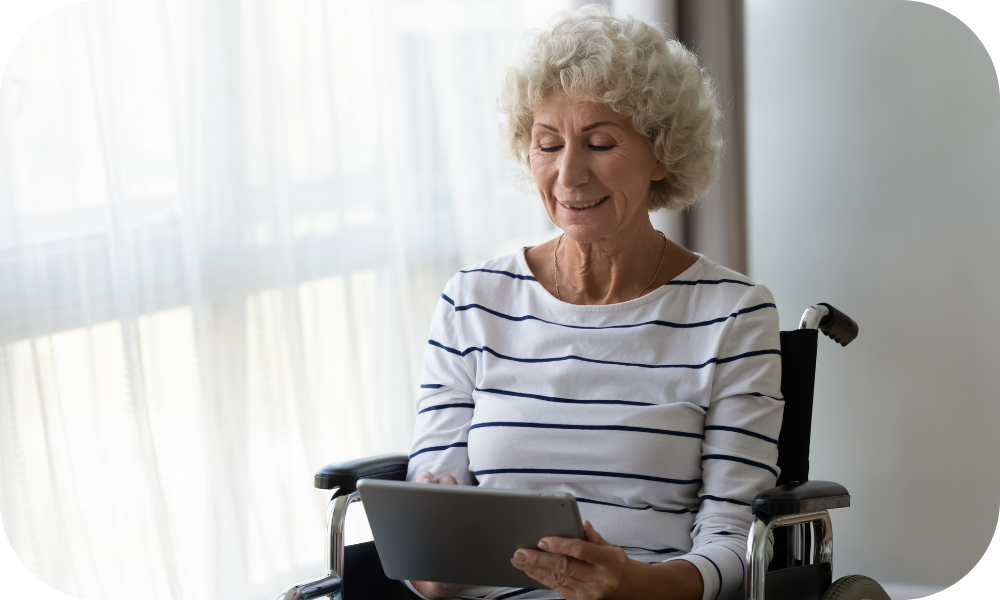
(520, 558)
(543, 545)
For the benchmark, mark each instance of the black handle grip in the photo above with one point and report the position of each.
(838, 326)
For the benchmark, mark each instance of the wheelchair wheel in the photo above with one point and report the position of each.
(855, 587)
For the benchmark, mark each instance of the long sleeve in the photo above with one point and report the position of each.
(740, 450)
(444, 403)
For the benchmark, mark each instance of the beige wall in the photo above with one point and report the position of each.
(873, 143)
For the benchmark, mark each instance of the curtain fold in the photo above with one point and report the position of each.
(717, 226)
(223, 229)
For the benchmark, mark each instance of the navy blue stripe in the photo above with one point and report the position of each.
(751, 309)
(501, 315)
(759, 395)
(654, 551)
(723, 533)
(707, 282)
(598, 361)
(439, 448)
(742, 566)
(589, 473)
(738, 459)
(673, 282)
(515, 593)
(443, 406)
(678, 511)
(430, 386)
(563, 400)
(507, 273)
(720, 499)
(748, 354)
(743, 431)
(587, 428)
(716, 570)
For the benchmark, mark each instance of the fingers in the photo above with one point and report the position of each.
(554, 570)
(586, 551)
(592, 550)
(428, 477)
(578, 549)
(435, 590)
(592, 535)
(577, 569)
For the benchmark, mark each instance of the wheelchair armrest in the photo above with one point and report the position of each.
(801, 497)
(345, 475)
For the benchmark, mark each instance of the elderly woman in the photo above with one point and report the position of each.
(609, 362)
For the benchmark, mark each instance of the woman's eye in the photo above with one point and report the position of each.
(600, 148)
(549, 148)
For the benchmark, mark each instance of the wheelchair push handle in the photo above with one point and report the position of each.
(833, 323)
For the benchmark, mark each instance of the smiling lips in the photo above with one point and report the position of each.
(583, 206)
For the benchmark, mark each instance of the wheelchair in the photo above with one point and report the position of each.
(796, 512)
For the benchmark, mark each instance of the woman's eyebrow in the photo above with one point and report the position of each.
(598, 124)
(587, 128)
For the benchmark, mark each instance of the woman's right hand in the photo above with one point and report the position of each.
(432, 589)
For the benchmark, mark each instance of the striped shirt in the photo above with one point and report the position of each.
(660, 415)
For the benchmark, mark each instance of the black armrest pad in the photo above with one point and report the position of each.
(801, 497)
(345, 475)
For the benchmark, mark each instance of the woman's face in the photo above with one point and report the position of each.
(592, 168)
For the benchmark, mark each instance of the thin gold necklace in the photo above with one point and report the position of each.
(555, 265)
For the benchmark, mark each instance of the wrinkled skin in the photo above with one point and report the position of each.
(579, 569)
(593, 172)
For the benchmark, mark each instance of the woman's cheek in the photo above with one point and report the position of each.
(540, 171)
(544, 171)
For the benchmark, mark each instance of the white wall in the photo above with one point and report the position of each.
(873, 143)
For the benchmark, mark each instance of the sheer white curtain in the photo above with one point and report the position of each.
(223, 228)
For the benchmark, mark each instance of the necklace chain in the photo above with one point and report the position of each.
(555, 265)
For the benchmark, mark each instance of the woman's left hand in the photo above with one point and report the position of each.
(590, 569)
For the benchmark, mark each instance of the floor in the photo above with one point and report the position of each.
(908, 592)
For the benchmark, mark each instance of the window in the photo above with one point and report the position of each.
(223, 229)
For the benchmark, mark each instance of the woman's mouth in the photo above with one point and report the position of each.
(584, 206)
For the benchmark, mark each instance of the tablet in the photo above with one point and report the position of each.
(462, 534)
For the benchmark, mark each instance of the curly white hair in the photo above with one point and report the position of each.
(632, 67)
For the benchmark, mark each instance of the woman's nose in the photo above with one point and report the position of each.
(574, 171)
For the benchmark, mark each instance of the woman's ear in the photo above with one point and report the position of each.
(659, 171)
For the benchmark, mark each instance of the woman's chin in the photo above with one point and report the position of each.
(584, 233)
(588, 225)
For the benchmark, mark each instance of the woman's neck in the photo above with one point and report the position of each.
(608, 270)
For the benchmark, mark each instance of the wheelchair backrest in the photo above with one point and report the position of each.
(798, 378)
